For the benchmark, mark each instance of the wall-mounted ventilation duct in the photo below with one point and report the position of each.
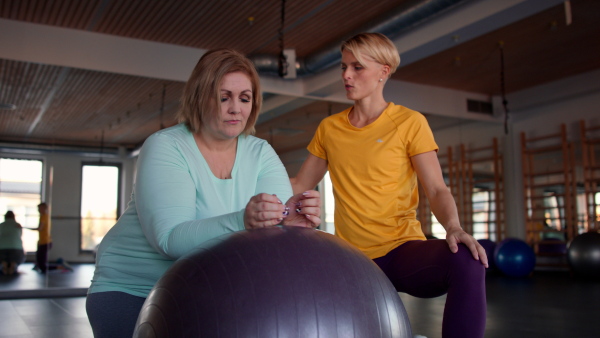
(482, 107)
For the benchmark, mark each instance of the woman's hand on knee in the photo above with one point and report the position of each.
(455, 235)
(264, 210)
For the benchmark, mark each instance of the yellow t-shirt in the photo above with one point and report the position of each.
(374, 183)
(44, 230)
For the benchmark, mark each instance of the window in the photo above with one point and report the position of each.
(329, 204)
(483, 215)
(99, 202)
(597, 205)
(20, 191)
(437, 229)
(553, 210)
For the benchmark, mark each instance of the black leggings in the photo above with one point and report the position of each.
(113, 314)
(41, 256)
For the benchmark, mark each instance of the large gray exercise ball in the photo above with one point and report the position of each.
(274, 282)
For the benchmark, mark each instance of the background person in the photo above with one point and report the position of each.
(375, 151)
(195, 181)
(45, 239)
(11, 244)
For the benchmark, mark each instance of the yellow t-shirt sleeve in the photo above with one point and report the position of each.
(315, 146)
(420, 137)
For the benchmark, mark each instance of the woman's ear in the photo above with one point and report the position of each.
(385, 71)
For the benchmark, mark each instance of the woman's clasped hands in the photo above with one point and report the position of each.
(265, 210)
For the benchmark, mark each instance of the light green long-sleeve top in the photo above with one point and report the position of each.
(177, 203)
(10, 235)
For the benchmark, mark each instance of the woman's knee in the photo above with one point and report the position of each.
(465, 264)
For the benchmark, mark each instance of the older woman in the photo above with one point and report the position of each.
(11, 244)
(375, 151)
(195, 181)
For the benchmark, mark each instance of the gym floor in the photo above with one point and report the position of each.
(546, 304)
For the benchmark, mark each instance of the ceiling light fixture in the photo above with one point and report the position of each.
(7, 106)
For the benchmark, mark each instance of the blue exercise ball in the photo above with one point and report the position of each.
(489, 247)
(583, 255)
(274, 282)
(514, 257)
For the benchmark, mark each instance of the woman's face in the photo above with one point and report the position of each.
(361, 80)
(235, 107)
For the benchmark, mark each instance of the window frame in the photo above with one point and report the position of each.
(119, 167)
(43, 182)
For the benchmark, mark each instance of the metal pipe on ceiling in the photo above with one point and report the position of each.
(404, 18)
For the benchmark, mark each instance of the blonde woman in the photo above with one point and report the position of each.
(375, 151)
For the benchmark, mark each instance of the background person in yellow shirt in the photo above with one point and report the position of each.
(375, 151)
(45, 239)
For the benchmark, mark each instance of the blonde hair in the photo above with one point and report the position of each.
(376, 46)
(201, 95)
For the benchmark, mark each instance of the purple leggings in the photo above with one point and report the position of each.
(428, 269)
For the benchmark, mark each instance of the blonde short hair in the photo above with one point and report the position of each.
(376, 46)
(201, 95)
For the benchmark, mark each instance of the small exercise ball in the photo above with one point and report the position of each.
(514, 257)
(489, 246)
(583, 255)
(274, 282)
